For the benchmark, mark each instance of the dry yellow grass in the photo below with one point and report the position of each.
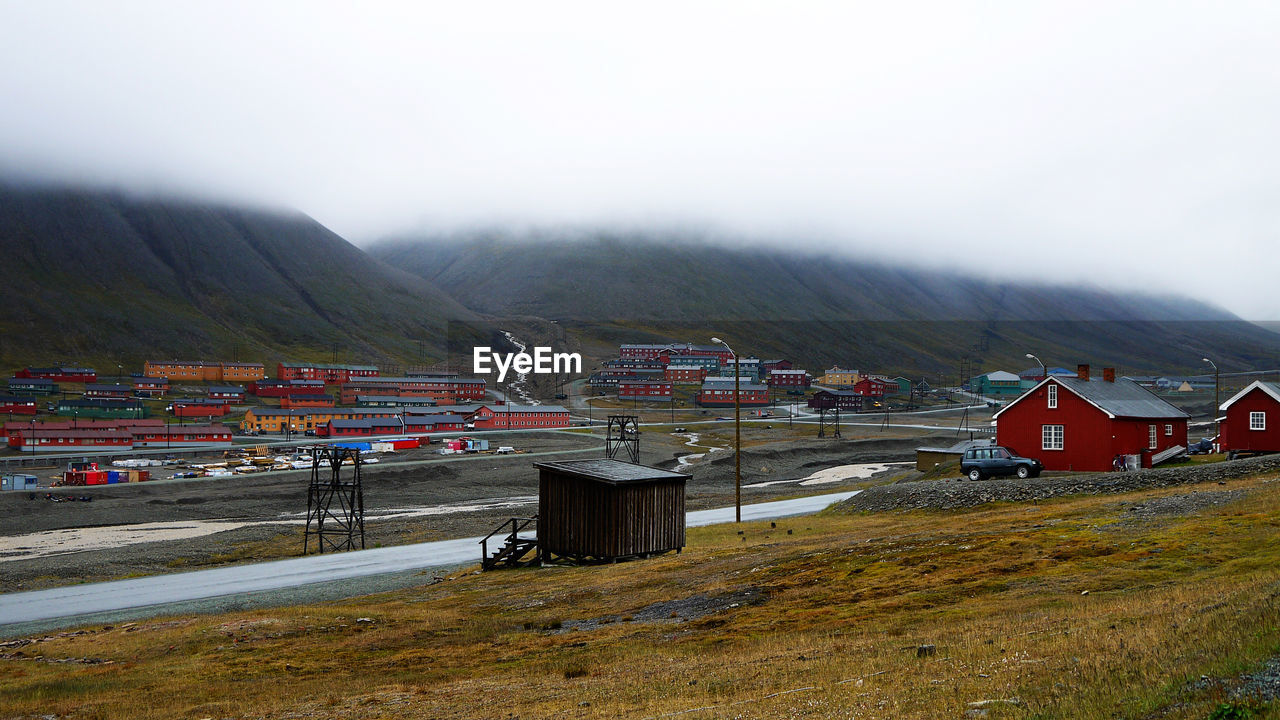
(824, 621)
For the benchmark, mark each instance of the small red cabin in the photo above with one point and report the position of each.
(1252, 420)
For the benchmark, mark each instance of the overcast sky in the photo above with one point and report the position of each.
(1128, 144)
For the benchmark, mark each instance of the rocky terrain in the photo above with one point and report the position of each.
(950, 494)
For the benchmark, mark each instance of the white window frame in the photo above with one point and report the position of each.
(1052, 437)
(1168, 430)
(1052, 390)
(1153, 437)
(1257, 420)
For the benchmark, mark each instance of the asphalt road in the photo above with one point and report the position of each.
(163, 592)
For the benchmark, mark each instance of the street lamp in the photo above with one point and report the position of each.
(1217, 429)
(737, 433)
(1044, 373)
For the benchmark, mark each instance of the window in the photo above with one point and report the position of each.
(1051, 436)
(1151, 437)
(1053, 398)
(1257, 421)
(1168, 430)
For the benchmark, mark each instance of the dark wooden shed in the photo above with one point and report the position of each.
(607, 510)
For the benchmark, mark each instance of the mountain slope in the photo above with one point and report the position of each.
(102, 277)
(821, 310)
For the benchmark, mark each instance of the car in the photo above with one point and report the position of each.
(505, 449)
(979, 463)
(561, 396)
(678, 430)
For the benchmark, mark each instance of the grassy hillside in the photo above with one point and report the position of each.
(105, 278)
(1069, 608)
(822, 310)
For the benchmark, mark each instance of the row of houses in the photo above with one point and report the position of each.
(117, 434)
(58, 374)
(478, 416)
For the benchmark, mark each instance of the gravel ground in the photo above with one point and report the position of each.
(420, 480)
(953, 494)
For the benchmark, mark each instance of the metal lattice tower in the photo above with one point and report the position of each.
(624, 432)
(830, 420)
(335, 507)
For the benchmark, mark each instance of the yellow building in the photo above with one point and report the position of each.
(839, 377)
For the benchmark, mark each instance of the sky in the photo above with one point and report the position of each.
(1127, 144)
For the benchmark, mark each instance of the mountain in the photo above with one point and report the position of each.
(106, 278)
(822, 310)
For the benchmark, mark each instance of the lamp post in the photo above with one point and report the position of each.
(1044, 372)
(737, 433)
(1217, 430)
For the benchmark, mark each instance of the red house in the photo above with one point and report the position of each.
(226, 393)
(655, 390)
(172, 436)
(1252, 420)
(789, 378)
(150, 387)
(1081, 423)
(685, 374)
(65, 374)
(46, 438)
(302, 401)
(280, 388)
(199, 407)
(367, 427)
(720, 394)
(330, 374)
(17, 405)
(520, 417)
(874, 387)
(423, 424)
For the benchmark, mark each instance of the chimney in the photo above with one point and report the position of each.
(1109, 374)
(1082, 372)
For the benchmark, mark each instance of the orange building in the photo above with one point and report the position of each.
(204, 371)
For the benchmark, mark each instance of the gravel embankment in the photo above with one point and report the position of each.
(962, 493)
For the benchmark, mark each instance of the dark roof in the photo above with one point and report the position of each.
(303, 396)
(101, 403)
(837, 393)
(435, 419)
(366, 423)
(610, 471)
(443, 409)
(1122, 398)
(30, 381)
(106, 387)
(16, 399)
(226, 389)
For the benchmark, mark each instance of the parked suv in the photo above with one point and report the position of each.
(985, 462)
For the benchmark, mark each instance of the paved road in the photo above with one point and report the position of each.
(161, 590)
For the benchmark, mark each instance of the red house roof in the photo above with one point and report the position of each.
(1122, 398)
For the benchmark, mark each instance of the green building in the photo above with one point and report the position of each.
(998, 384)
(102, 409)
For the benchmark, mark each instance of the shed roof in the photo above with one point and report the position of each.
(1002, 376)
(610, 471)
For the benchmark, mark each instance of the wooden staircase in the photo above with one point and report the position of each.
(515, 546)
